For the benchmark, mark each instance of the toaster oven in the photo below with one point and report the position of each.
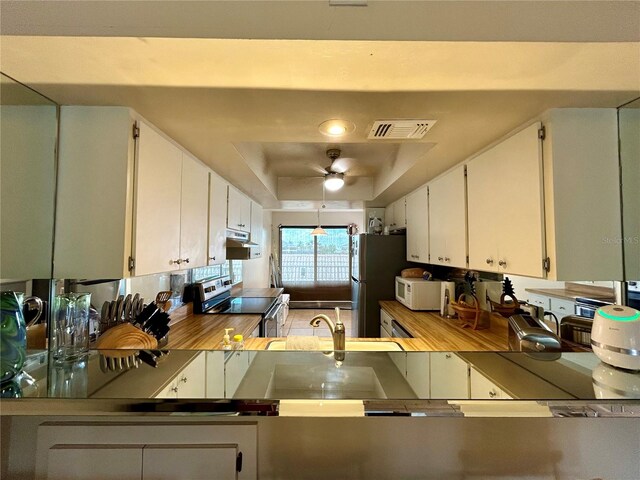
(529, 334)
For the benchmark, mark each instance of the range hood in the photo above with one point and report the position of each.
(239, 240)
(239, 247)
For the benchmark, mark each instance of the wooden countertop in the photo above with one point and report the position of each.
(258, 292)
(441, 334)
(572, 294)
(205, 331)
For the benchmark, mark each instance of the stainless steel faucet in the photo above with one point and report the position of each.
(337, 332)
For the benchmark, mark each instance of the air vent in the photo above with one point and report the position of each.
(400, 129)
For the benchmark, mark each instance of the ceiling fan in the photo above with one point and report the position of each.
(334, 174)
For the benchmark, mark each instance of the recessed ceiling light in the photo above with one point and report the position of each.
(336, 127)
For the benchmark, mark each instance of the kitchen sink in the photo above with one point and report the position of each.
(326, 345)
(324, 381)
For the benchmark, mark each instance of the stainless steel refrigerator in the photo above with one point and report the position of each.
(375, 262)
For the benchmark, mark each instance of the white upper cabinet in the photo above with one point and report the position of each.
(170, 225)
(94, 209)
(130, 201)
(418, 226)
(582, 194)
(448, 219)
(194, 212)
(217, 253)
(239, 211)
(505, 206)
(395, 214)
(256, 230)
(156, 244)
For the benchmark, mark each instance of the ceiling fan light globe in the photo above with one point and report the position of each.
(334, 181)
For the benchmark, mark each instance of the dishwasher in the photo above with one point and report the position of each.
(398, 331)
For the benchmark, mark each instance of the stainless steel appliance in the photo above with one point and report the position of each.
(214, 297)
(375, 262)
(577, 329)
(633, 295)
(586, 307)
(529, 334)
(398, 330)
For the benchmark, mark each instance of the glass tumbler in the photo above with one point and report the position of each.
(70, 326)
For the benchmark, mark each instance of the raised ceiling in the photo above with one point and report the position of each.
(251, 108)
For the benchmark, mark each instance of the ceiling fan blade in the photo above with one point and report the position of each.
(342, 164)
(319, 170)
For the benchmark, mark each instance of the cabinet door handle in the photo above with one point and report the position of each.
(447, 355)
(212, 258)
(177, 262)
(489, 261)
(440, 258)
(492, 393)
(446, 259)
(183, 379)
(174, 389)
(502, 263)
(186, 260)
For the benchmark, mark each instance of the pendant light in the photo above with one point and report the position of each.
(319, 230)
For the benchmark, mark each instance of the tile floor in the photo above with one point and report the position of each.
(298, 322)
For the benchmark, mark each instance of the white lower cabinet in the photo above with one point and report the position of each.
(215, 374)
(449, 376)
(482, 388)
(385, 324)
(235, 366)
(189, 383)
(144, 451)
(418, 373)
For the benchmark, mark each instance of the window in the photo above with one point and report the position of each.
(315, 259)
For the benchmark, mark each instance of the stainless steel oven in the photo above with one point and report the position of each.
(586, 307)
(273, 321)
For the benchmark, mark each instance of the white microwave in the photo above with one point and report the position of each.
(418, 294)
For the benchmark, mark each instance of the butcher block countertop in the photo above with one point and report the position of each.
(572, 294)
(258, 292)
(192, 331)
(441, 334)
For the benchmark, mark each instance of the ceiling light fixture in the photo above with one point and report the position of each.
(333, 181)
(336, 127)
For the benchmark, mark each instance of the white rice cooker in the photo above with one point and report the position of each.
(615, 336)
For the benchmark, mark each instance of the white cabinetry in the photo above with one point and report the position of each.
(145, 451)
(235, 366)
(448, 219)
(256, 230)
(418, 373)
(217, 251)
(482, 388)
(129, 200)
(505, 206)
(395, 214)
(449, 376)
(239, 211)
(385, 324)
(417, 220)
(189, 383)
(582, 194)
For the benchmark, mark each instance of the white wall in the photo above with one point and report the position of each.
(255, 272)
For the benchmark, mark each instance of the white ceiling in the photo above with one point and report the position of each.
(250, 108)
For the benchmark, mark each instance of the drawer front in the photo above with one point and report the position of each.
(562, 307)
(540, 300)
(385, 321)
